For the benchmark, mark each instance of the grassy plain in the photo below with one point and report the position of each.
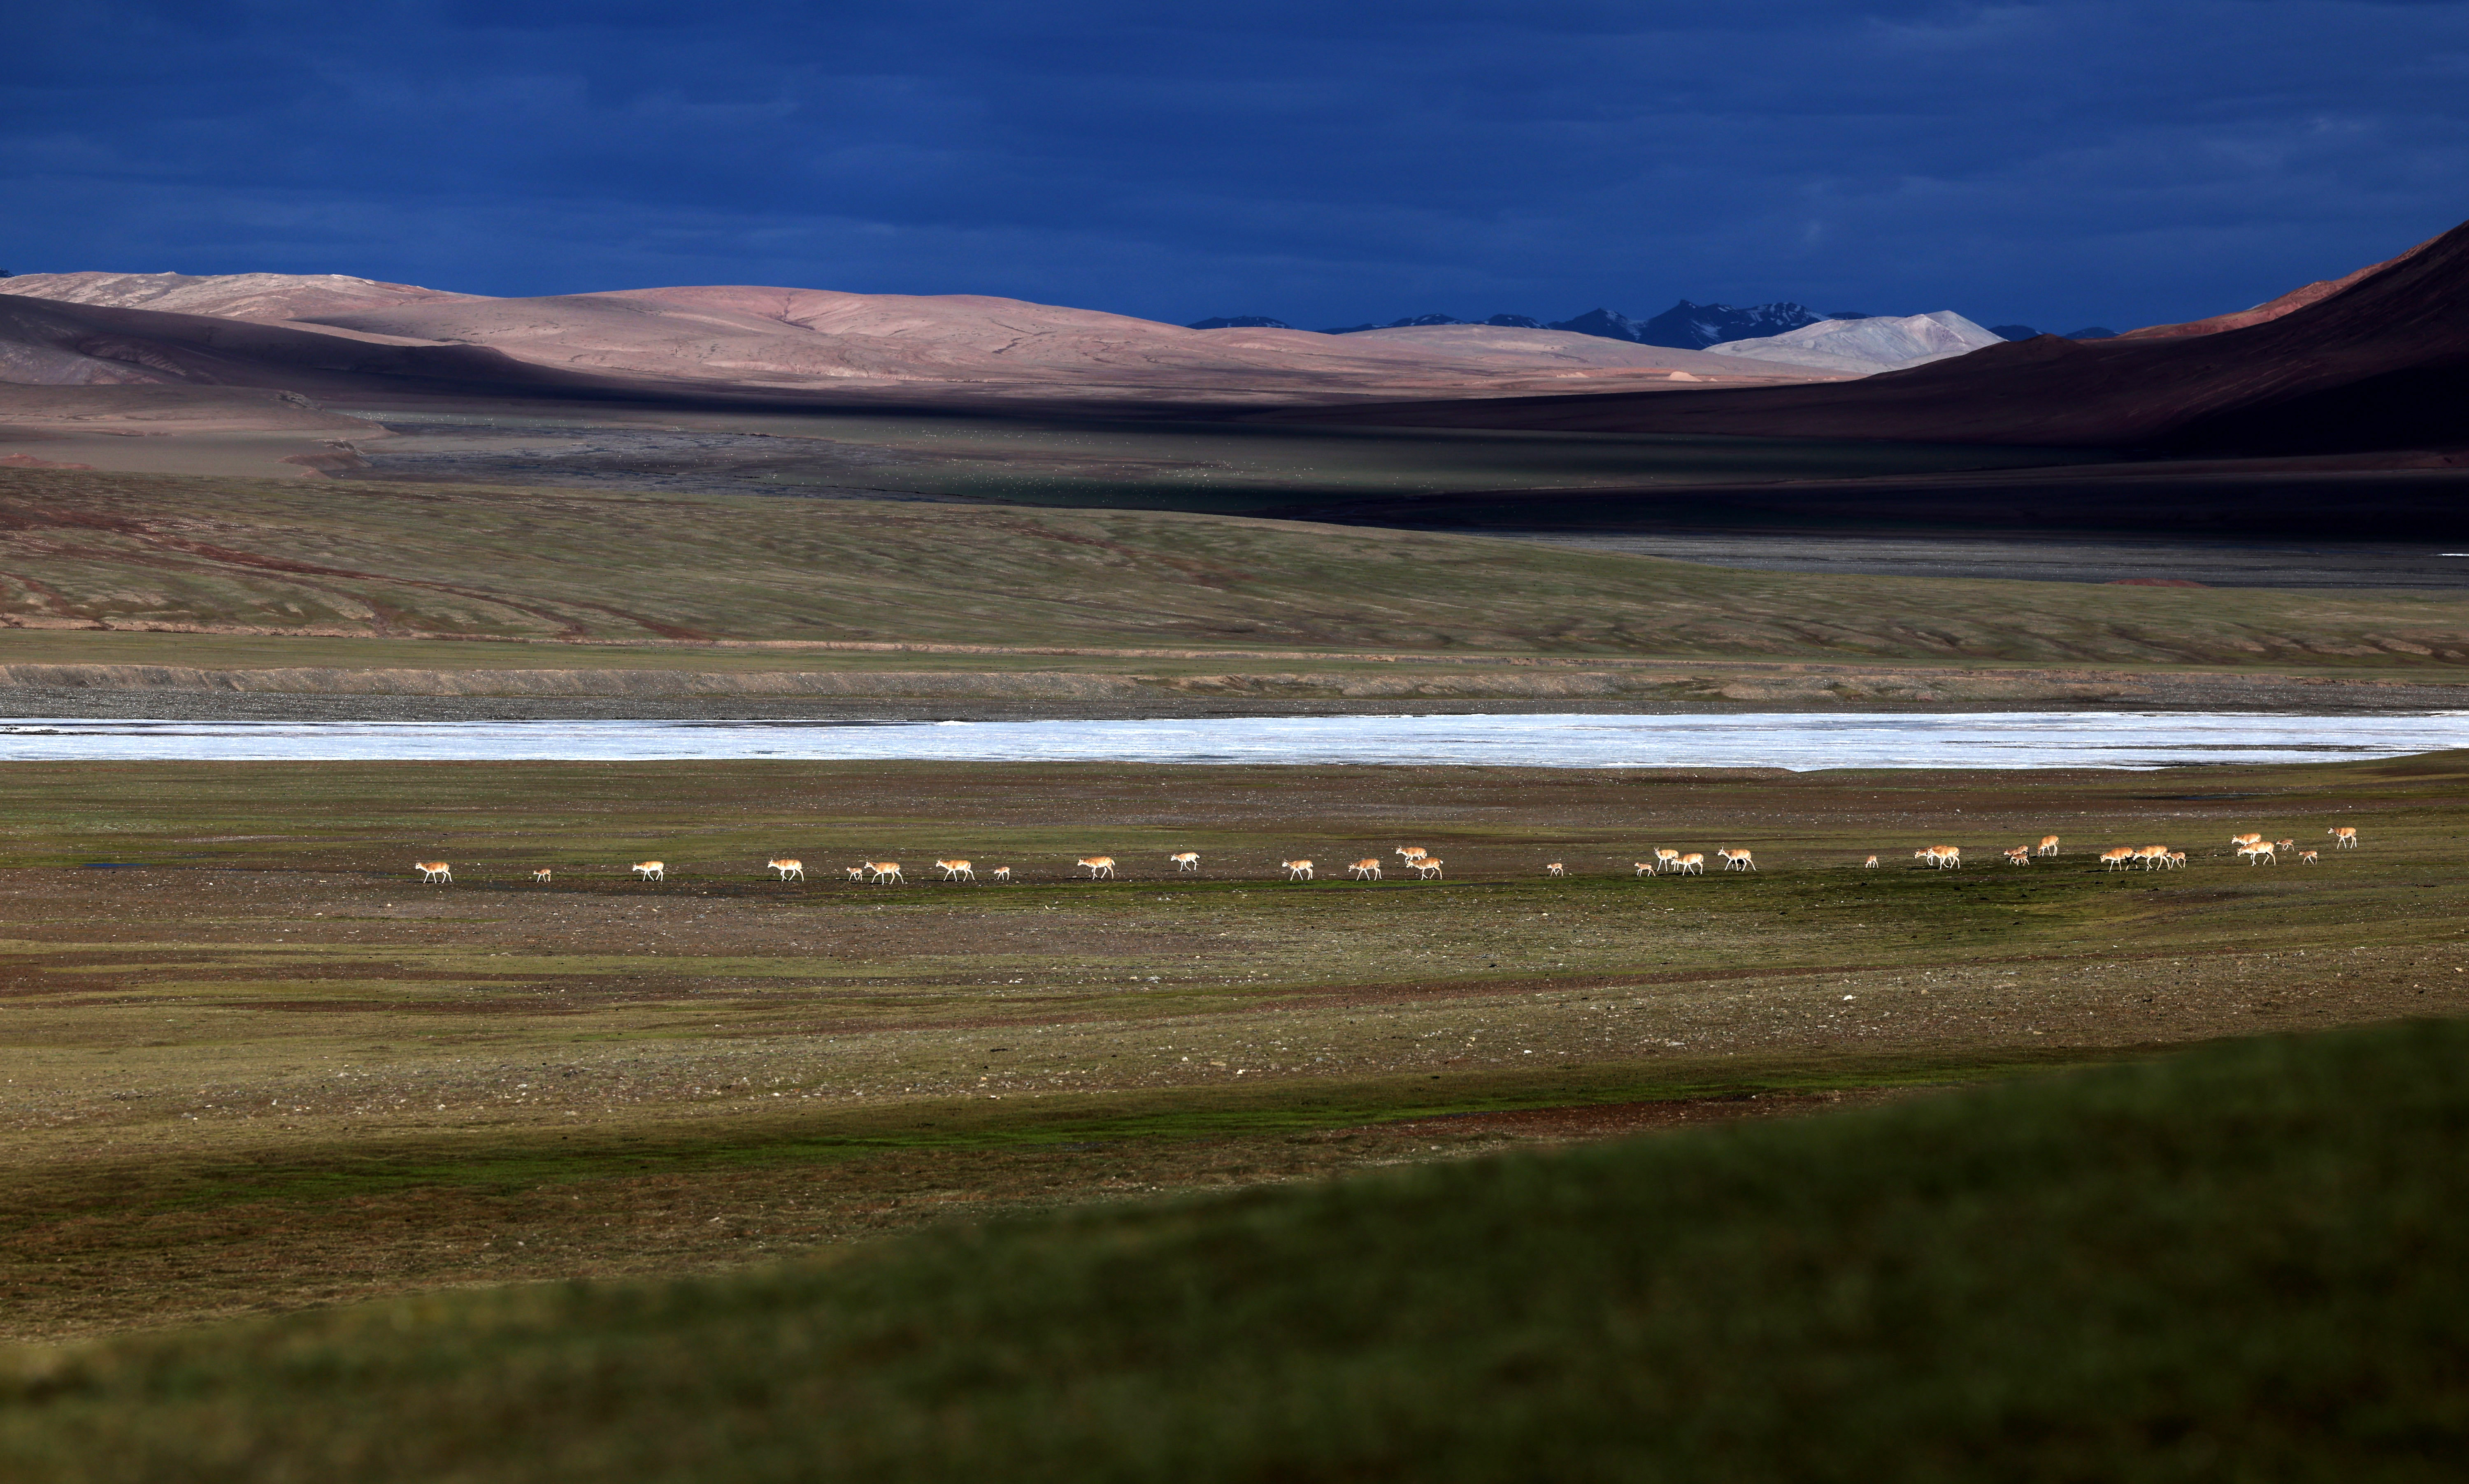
(463, 563)
(2241, 1264)
(252, 1066)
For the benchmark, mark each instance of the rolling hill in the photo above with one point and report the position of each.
(356, 340)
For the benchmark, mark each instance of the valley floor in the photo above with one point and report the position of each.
(252, 1064)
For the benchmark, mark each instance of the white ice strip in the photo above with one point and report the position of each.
(1796, 741)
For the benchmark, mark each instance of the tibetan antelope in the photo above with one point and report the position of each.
(856, 873)
(2020, 855)
(1409, 854)
(1189, 860)
(1098, 865)
(1427, 867)
(957, 870)
(652, 870)
(1665, 860)
(1368, 870)
(2344, 836)
(2048, 846)
(1870, 864)
(2116, 860)
(1001, 874)
(2308, 858)
(433, 873)
(2149, 857)
(1736, 859)
(882, 873)
(2260, 853)
(789, 869)
(1692, 865)
(539, 877)
(1555, 868)
(2245, 839)
(1941, 857)
(1297, 870)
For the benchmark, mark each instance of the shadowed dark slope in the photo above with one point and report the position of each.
(2383, 363)
(45, 342)
(2384, 496)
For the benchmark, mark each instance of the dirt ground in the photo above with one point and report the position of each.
(252, 1063)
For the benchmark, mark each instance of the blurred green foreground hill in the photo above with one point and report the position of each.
(2242, 1263)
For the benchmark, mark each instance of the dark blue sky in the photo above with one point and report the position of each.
(2055, 164)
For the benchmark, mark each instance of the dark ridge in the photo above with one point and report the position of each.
(2374, 366)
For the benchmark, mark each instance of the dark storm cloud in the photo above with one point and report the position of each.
(2050, 162)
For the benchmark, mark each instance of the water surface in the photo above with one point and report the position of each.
(1797, 740)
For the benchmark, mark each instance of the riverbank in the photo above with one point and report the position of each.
(1369, 686)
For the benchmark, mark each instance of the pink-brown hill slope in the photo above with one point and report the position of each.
(46, 342)
(329, 336)
(2270, 308)
(2382, 363)
(821, 340)
(268, 298)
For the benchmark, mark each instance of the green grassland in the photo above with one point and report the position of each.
(2243, 1262)
(252, 1066)
(467, 564)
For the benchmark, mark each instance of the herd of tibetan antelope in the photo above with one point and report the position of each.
(2251, 848)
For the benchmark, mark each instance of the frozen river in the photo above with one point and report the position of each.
(1798, 741)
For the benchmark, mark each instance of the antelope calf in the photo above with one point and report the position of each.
(2116, 860)
(652, 870)
(1001, 874)
(957, 870)
(2308, 858)
(1427, 867)
(1189, 860)
(1692, 865)
(539, 877)
(856, 873)
(2048, 846)
(882, 873)
(433, 873)
(2344, 836)
(2020, 855)
(1870, 864)
(1297, 870)
(1098, 865)
(1555, 868)
(2177, 859)
(1736, 859)
(789, 869)
(1646, 867)
(1365, 870)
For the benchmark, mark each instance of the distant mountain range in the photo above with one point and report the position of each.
(1685, 326)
